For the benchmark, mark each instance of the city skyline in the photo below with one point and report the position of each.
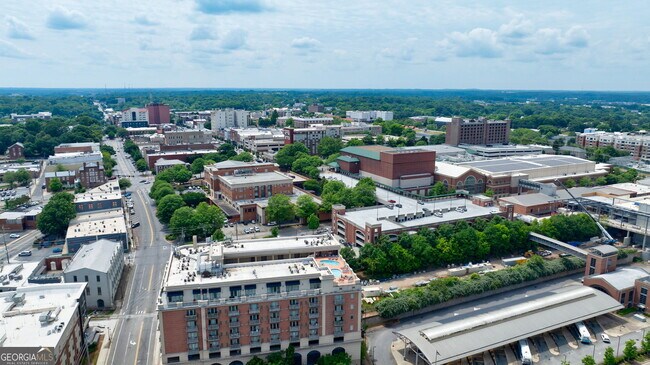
(285, 44)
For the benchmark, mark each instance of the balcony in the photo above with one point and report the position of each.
(313, 326)
(213, 315)
(338, 323)
(193, 340)
(314, 315)
(213, 327)
(234, 324)
(275, 341)
(338, 300)
(254, 310)
(274, 319)
(294, 317)
(274, 308)
(338, 332)
(233, 313)
(313, 304)
(294, 306)
(190, 316)
(192, 329)
(235, 346)
(256, 343)
(213, 337)
(253, 322)
(234, 335)
(339, 312)
(215, 346)
(294, 339)
(314, 337)
(254, 333)
(294, 328)
(274, 330)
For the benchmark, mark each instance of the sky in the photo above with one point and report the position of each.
(378, 44)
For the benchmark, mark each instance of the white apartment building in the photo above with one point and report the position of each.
(135, 115)
(229, 118)
(368, 115)
(99, 265)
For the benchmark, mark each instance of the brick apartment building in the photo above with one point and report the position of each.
(158, 113)
(211, 173)
(187, 137)
(225, 303)
(242, 192)
(479, 131)
(409, 169)
(16, 151)
(91, 175)
(316, 108)
(637, 144)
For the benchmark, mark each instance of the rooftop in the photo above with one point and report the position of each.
(170, 162)
(95, 256)
(97, 223)
(460, 336)
(20, 322)
(622, 278)
(451, 170)
(256, 178)
(529, 200)
(519, 164)
(365, 151)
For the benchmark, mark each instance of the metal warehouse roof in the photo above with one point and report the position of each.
(348, 159)
(504, 323)
(364, 152)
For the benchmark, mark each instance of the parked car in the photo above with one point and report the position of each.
(257, 229)
(605, 338)
(25, 253)
(392, 201)
(57, 250)
(14, 235)
(135, 224)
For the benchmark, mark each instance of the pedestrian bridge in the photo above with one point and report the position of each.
(558, 245)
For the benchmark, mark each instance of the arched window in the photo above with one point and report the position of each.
(470, 184)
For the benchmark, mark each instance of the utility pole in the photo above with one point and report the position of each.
(4, 240)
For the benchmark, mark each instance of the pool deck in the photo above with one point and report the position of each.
(347, 275)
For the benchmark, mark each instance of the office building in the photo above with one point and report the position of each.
(48, 318)
(73, 158)
(157, 113)
(316, 108)
(82, 147)
(93, 226)
(479, 131)
(229, 118)
(311, 137)
(151, 156)
(23, 117)
(211, 173)
(368, 115)
(164, 164)
(186, 137)
(240, 193)
(91, 175)
(135, 115)
(99, 264)
(224, 303)
(306, 122)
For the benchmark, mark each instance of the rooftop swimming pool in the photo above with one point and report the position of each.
(330, 262)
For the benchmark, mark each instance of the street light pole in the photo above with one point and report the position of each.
(4, 240)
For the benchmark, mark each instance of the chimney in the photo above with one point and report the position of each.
(195, 241)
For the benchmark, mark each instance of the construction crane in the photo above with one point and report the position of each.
(609, 238)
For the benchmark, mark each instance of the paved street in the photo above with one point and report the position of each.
(134, 339)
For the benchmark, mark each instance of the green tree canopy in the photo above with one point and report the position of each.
(306, 206)
(287, 154)
(192, 199)
(57, 214)
(124, 183)
(329, 146)
(141, 165)
(280, 209)
(244, 156)
(313, 222)
(56, 185)
(166, 207)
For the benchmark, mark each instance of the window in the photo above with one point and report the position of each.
(275, 326)
(213, 311)
(191, 324)
(255, 330)
(233, 308)
(254, 317)
(86, 278)
(190, 313)
(234, 341)
(99, 291)
(87, 290)
(644, 296)
(173, 359)
(98, 279)
(74, 278)
(294, 324)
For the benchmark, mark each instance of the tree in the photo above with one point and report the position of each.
(313, 222)
(355, 142)
(167, 206)
(197, 165)
(570, 183)
(340, 358)
(192, 199)
(584, 182)
(57, 214)
(630, 351)
(244, 156)
(141, 165)
(588, 360)
(280, 209)
(227, 149)
(56, 185)
(328, 146)
(275, 231)
(609, 358)
(306, 206)
(22, 177)
(489, 193)
(162, 192)
(207, 218)
(124, 183)
(287, 154)
(645, 343)
(182, 222)
(438, 189)
(365, 193)
(312, 185)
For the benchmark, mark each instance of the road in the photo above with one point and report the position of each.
(381, 338)
(134, 338)
(16, 245)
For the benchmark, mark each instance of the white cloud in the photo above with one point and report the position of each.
(549, 41)
(145, 21)
(63, 19)
(305, 43)
(16, 29)
(229, 6)
(478, 42)
(516, 30)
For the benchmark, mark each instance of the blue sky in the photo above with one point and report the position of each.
(577, 45)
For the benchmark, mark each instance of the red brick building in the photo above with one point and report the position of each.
(85, 147)
(16, 151)
(91, 175)
(257, 297)
(460, 177)
(211, 173)
(158, 113)
(409, 169)
(479, 131)
(628, 285)
(243, 192)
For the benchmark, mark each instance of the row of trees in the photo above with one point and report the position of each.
(132, 149)
(445, 289)
(107, 158)
(462, 243)
(617, 175)
(21, 177)
(630, 353)
(287, 357)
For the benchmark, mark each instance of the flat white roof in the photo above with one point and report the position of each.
(20, 322)
(97, 223)
(255, 178)
(451, 170)
(623, 278)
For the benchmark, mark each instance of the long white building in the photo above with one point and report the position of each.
(229, 118)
